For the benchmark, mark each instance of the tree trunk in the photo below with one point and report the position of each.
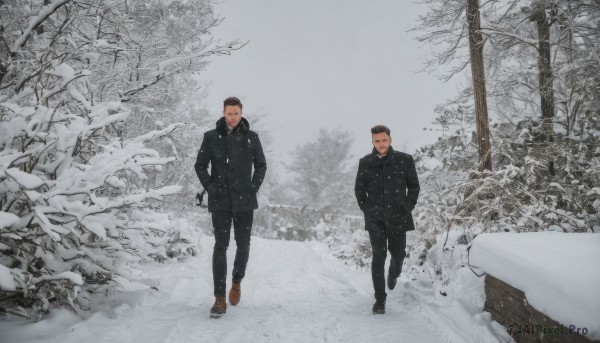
(3, 70)
(545, 68)
(479, 92)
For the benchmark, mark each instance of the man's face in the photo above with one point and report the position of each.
(381, 142)
(233, 115)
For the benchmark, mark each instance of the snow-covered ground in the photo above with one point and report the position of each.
(293, 292)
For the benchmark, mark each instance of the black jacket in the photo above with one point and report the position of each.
(231, 184)
(387, 189)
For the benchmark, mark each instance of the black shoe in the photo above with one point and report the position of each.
(392, 277)
(379, 307)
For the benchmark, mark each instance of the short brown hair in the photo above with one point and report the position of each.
(379, 129)
(232, 101)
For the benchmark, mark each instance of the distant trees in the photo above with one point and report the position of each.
(82, 88)
(322, 178)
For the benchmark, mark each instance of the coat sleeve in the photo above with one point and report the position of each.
(412, 184)
(260, 165)
(360, 185)
(202, 162)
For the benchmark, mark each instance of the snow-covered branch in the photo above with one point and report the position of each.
(36, 21)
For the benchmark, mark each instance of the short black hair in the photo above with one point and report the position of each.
(232, 101)
(379, 129)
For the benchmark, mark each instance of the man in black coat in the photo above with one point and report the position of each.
(232, 149)
(387, 189)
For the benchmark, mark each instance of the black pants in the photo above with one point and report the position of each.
(242, 228)
(381, 242)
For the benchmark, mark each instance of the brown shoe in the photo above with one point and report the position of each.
(219, 308)
(235, 293)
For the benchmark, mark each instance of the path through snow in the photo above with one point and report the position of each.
(293, 292)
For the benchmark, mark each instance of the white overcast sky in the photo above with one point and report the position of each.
(345, 64)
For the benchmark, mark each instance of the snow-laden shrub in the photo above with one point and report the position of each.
(71, 210)
(534, 187)
(354, 248)
(441, 260)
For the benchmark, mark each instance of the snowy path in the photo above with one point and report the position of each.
(293, 292)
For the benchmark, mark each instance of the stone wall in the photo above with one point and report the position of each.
(509, 307)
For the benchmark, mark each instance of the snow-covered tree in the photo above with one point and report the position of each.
(531, 74)
(534, 50)
(76, 201)
(323, 178)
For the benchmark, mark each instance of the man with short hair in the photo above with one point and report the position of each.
(387, 189)
(232, 149)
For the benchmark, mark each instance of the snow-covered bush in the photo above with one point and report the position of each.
(525, 193)
(354, 248)
(534, 187)
(70, 204)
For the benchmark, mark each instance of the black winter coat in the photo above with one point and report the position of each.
(387, 190)
(231, 185)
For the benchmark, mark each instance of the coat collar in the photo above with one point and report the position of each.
(242, 127)
(375, 155)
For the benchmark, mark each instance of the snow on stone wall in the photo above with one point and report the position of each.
(558, 272)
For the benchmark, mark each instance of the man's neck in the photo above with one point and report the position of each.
(383, 155)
